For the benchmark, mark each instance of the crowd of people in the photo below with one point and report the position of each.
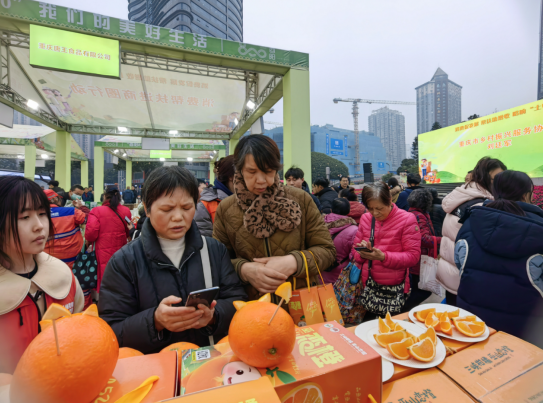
(249, 232)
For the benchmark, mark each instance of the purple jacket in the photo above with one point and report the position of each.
(345, 228)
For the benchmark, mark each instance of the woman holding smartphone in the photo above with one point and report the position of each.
(147, 283)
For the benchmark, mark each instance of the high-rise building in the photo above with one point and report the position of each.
(540, 67)
(218, 18)
(20, 119)
(438, 100)
(389, 126)
(86, 142)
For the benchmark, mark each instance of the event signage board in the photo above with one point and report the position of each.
(37, 12)
(514, 136)
(160, 154)
(57, 49)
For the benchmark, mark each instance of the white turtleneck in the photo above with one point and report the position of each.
(173, 249)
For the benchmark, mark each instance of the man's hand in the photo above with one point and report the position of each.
(176, 319)
(284, 264)
(263, 278)
(208, 318)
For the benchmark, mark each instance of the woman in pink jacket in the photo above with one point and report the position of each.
(473, 193)
(396, 245)
(107, 228)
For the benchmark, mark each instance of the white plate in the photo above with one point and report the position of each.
(388, 369)
(456, 334)
(366, 330)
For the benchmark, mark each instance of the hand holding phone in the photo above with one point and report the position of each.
(203, 297)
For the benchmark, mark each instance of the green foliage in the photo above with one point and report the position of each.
(436, 126)
(386, 177)
(320, 161)
(409, 165)
(415, 149)
(474, 116)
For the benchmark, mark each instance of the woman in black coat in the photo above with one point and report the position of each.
(147, 282)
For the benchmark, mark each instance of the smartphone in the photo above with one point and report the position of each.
(361, 249)
(204, 297)
(127, 220)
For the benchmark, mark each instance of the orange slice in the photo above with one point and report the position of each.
(411, 335)
(305, 393)
(431, 320)
(454, 314)
(392, 337)
(56, 311)
(479, 323)
(446, 327)
(284, 291)
(430, 333)
(239, 304)
(421, 315)
(383, 327)
(470, 329)
(265, 298)
(399, 349)
(397, 327)
(92, 311)
(388, 320)
(469, 318)
(424, 350)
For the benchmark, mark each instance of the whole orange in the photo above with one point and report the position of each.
(88, 355)
(255, 342)
(126, 352)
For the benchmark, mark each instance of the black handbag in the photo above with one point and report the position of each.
(380, 299)
(85, 269)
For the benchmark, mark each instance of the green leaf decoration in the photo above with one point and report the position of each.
(285, 377)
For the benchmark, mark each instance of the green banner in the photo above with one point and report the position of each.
(160, 154)
(62, 17)
(173, 146)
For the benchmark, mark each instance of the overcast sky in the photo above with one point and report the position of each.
(383, 49)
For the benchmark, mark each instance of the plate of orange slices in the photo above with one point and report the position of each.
(402, 342)
(450, 322)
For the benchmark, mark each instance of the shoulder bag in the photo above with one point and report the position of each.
(126, 230)
(380, 299)
(85, 268)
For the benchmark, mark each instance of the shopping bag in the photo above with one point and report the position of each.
(348, 296)
(85, 268)
(295, 308)
(311, 304)
(428, 271)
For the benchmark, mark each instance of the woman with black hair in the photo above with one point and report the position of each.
(499, 253)
(30, 279)
(357, 208)
(108, 228)
(455, 204)
(395, 189)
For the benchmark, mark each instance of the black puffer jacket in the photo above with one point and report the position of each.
(326, 197)
(139, 276)
(438, 216)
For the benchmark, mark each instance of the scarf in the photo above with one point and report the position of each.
(223, 187)
(268, 212)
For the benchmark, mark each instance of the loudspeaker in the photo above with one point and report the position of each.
(367, 168)
(368, 178)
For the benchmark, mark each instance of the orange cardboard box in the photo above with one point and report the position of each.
(426, 386)
(131, 372)
(260, 390)
(327, 362)
(491, 364)
(526, 388)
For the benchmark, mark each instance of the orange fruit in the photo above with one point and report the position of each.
(388, 320)
(223, 340)
(397, 327)
(424, 350)
(239, 304)
(411, 335)
(284, 291)
(88, 356)
(383, 327)
(446, 327)
(266, 298)
(56, 311)
(431, 320)
(421, 315)
(392, 337)
(469, 318)
(255, 342)
(306, 393)
(399, 349)
(454, 314)
(429, 333)
(5, 379)
(126, 352)
(469, 329)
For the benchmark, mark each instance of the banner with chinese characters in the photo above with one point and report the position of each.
(514, 136)
(89, 23)
(142, 98)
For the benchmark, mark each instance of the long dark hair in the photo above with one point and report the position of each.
(481, 173)
(114, 197)
(16, 193)
(510, 187)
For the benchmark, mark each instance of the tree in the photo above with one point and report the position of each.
(436, 126)
(474, 116)
(415, 149)
(409, 165)
(386, 177)
(320, 161)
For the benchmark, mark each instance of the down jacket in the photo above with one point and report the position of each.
(310, 235)
(342, 229)
(326, 196)
(398, 237)
(107, 232)
(140, 275)
(203, 217)
(429, 241)
(447, 273)
(357, 209)
(500, 258)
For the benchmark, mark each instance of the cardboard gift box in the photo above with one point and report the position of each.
(426, 386)
(327, 362)
(526, 388)
(486, 366)
(257, 391)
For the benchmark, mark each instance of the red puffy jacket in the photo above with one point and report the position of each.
(398, 237)
(107, 232)
(429, 241)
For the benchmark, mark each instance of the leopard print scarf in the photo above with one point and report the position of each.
(270, 211)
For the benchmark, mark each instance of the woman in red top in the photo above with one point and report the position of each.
(396, 246)
(357, 208)
(107, 228)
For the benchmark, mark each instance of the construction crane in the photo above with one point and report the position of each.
(355, 103)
